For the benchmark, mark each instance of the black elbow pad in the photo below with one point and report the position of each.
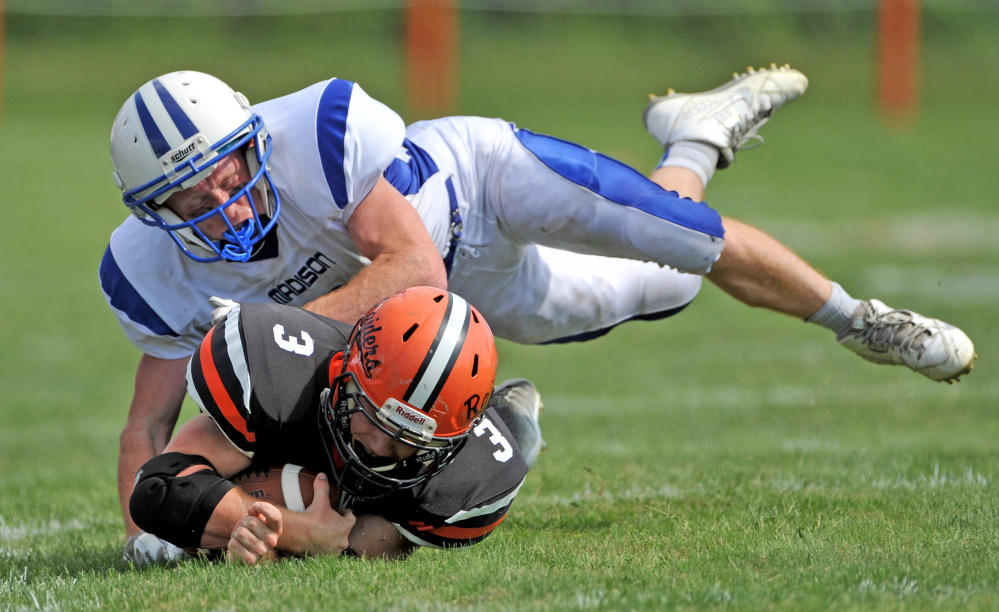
(173, 508)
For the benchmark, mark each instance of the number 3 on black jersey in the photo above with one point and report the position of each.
(506, 451)
(291, 343)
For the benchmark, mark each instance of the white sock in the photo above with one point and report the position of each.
(698, 157)
(837, 312)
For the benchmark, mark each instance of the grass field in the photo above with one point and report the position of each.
(728, 458)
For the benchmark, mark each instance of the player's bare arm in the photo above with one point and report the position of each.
(388, 231)
(318, 530)
(201, 437)
(262, 531)
(159, 392)
(257, 536)
(253, 530)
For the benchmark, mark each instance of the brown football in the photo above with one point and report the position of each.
(286, 485)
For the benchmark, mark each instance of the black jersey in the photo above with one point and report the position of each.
(260, 373)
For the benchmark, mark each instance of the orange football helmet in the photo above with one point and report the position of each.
(420, 366)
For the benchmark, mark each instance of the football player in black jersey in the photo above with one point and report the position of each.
(396, 411)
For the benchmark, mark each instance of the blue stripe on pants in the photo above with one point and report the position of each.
(620, 183)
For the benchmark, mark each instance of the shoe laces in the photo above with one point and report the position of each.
(745, 131)
(894, 331)
(756, 138)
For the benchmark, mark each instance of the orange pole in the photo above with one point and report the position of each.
(431, 57)
(898, 57)
(3, 52)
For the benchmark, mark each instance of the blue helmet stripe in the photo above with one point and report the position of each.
(153, 134)
(180, 118)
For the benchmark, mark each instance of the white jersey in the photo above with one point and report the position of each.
(551, 241)
(331, 143)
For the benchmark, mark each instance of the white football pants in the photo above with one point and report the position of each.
(560, 243)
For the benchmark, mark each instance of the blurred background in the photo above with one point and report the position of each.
(902, 210)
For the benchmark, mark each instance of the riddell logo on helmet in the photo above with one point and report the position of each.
(179, 155)
(406, 417)
(410, 415)
(367, 345)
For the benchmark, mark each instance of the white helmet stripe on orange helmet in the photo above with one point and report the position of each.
(442, 355)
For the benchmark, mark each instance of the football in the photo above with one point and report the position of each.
(285, 485)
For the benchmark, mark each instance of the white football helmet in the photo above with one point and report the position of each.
(168, 136)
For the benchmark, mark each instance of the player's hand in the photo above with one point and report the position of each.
(222, 308)
(255, 537)
(329, 528)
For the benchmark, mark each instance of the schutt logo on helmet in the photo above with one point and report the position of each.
(179, 155)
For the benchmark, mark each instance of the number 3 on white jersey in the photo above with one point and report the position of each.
(291, 343)
(506, 451)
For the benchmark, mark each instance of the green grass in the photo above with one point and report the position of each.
(729, 458)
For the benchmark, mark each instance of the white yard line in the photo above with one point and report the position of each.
(975, 286)
(954, 233)
(11, 532)
(732, 398)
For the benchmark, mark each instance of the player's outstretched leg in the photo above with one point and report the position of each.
(931, 347)
(519, 405)
(727, 116)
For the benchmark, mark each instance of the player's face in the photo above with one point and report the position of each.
(377, 442)
(229, 176)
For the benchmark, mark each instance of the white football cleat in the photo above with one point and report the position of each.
(727, 116)
(519, 405)
(931, 347)
(146, 549)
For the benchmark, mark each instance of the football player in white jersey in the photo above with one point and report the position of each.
(324, 199)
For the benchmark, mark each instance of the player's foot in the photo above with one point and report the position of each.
(901, 337)
(727, 116)
(146, 549)
(519, 404)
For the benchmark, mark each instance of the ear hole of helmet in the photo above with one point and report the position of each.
(409, 332)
